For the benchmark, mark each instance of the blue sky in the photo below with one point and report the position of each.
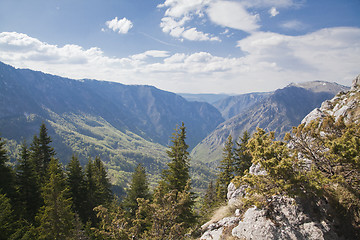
(188, 46)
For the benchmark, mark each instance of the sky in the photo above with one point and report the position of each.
(186, 46)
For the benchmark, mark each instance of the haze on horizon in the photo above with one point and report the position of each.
(198, 46)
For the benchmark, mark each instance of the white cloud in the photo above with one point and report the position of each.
(177, 29)
(273, 12)
(293, 25)
(179, 8)
(178, 14)
(151, 53)
(271, 61)
(232, 15)
(121, 26)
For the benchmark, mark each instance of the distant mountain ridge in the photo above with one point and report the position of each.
(124, 124)
(278, 111)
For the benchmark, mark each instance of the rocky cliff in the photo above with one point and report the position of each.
(286, 217)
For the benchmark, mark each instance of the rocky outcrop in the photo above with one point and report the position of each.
(344, 104)
(285, 220)
(285, 217)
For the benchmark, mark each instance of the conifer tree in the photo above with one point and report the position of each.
(7, 176)
(56, 219)
(98, 187)
(7, 220)
(103, 187)
(226, 173)
(177, 175)
(210, 198)
(28, 187)
(42, 152)
(243, 157)
(174, 187)
(139, 188)
(77, 187)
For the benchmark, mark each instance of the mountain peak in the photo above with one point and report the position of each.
(320, 86)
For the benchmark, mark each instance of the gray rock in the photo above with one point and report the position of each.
(286, 220)
(234, 193)
(256, 169)
(356, 83)
(215, 230)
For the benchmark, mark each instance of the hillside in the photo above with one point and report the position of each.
(278, 111)
(123, 124)
(288, 198)
(235, 105)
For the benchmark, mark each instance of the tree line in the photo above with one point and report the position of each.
(42, 199)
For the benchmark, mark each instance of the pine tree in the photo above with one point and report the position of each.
(7, 176)
(56, 218)
(98, 188)
(175, 183)
(210, 198)
(28, 187)
(243, 157)
(7, 220)
(42, 152)
(139, 188)
(226, 173)
(177, 175)
(77, 187)
(103, 186)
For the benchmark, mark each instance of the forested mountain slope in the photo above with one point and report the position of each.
(121, 123)
(278, 111)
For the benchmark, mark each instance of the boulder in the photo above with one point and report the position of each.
(285, 220)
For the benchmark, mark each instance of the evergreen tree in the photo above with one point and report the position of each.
(174, 187)
(28, 187)
(210, 199)
(139, 188)
(77, 187)
(56, 219)
(7, 220)
(226, 173)
(103, 191)
(42, 152)
(98, 188)
(6, 173)
(177, 175)
(243, 157)
(112, 223)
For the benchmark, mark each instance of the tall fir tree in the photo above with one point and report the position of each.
(56, 219)
(98, 188)
(29, 190)
(210, 199)
(139, 188)
(103, 186)
(177, 175)
(243, 157)
(77, 187)
(175, 183)
(42, 152)
(7, 176)
(226, 170)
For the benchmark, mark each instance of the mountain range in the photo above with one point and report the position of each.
(123, 124)
(277, 111)
(130, 124)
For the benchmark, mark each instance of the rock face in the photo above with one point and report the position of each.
(287, 221)
(285, 217)
(344, 104)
